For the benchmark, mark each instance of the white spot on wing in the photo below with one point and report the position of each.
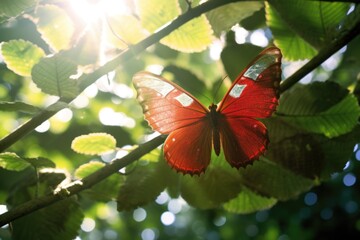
(159, 86)
(259, 66)
(236, 91)
(184, 99)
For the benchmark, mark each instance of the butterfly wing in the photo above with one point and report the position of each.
(188, 149)
(254, 94)
(166, 106)
(169, 109)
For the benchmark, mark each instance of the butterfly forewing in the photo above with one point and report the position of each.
(166, 106)
(254, 94)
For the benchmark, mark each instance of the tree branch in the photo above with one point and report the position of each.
(76, 187)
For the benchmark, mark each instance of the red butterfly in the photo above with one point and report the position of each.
(193, 128)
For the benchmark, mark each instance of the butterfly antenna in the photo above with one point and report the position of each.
(218, 87)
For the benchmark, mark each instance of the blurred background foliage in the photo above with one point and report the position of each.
(305, 187)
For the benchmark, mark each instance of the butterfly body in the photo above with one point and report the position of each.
(232, 125)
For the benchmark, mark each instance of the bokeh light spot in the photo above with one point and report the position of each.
(167, 218)
(139, 214)
(349, 179)
(43, 127)
(258, 38)
(357, 155)
(88, 224)
(310, 198)
(326, 214)
(220, 221)
(351, 207)
(162, 198)
(252, 230)
(148, 234)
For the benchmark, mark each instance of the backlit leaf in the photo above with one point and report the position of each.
(271, 180)
(223, 18)
(193, 36)
(207, 190)
(20, 56)
(292, 46)
(52, 76)
(328, 112)
(310, 25)
(11, 161)
(248, 202)
(10, 8)
(52, 22)
(94, 143)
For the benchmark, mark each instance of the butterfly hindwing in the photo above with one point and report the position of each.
(188, 149)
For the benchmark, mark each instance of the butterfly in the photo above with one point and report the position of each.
(194, 129)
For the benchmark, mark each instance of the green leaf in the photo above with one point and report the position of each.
(248, 202)
(20, 56)
(94, 144)
(312, 156)
(142, 185)
(223, 18)
(105, 190)
(10, 8)
(154, 14)
(18, 107)
(52, 76)
(11, 161)
(320, 108)
(292, 46)
(236, 57)
(52, 22)
(301, 153)
(300, 27)
(59, 221)
(194, 36)
(211, 189)
(271, 180)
